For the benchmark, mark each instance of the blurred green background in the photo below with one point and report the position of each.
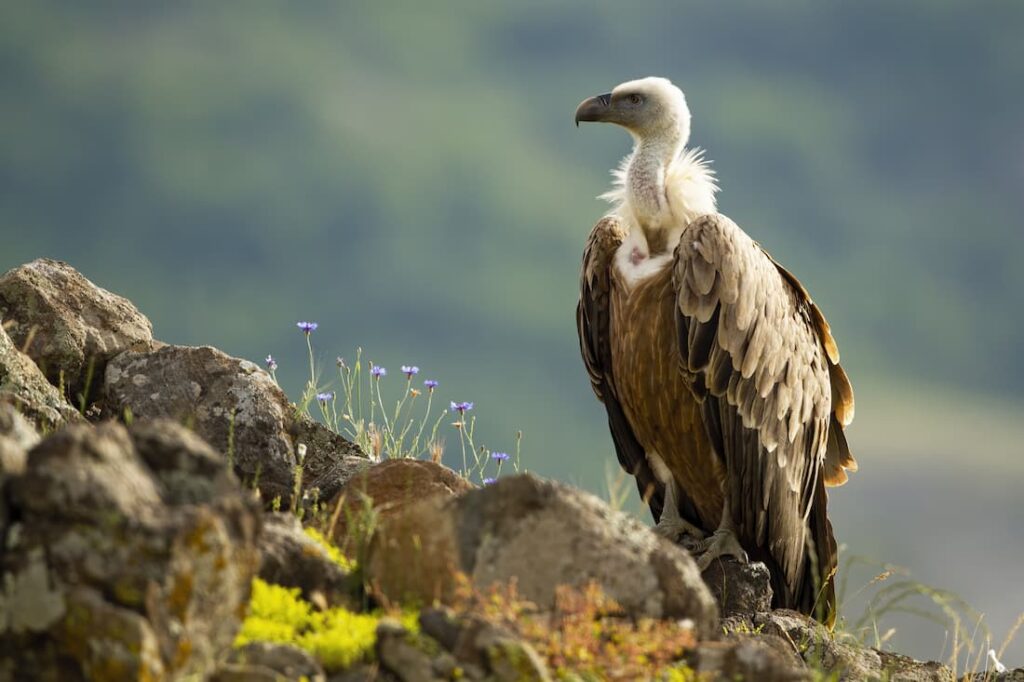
(408, 176)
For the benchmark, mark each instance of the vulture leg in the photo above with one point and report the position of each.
(672, 525)
(722, 542)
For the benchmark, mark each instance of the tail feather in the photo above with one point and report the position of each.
(817, 592)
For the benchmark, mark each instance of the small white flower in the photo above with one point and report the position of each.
(302, 451)
(996, 665)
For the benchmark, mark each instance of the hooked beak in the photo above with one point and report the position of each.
(594, 109)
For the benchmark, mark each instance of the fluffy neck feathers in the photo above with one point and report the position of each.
(661, 187)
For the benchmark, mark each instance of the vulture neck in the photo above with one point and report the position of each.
(646, 183)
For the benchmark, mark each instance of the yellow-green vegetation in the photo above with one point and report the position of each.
(336, 636)
(333, 552)
(681, 673)
(587, 636)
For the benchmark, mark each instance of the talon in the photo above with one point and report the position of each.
(722, 543)
(671, 525)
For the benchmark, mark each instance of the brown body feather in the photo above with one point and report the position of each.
(723, 366)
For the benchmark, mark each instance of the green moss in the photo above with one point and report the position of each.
(337, 637)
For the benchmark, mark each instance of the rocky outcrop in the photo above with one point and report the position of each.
(69, 326)
(451, 648)
(17, 436)
(1015, 675)
(130, 556)
(739, 588)
(748, 658)
(236, 407)
(541, 534)
(258, 661)
(127, 551)
(24, 386)
(817, 647)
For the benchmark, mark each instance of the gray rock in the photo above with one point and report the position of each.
(293, 559)
(236, 407)
(400, 653)
(242, 672)
(16, 431)
(746, 659)
(17, 436)
(542, 534)
(850, 661)
(510, 659)
(23, 386)
(1015, 675)
(362, 672)
(900, 668)
(188, 469)
(447, 666)
(739, 588)
(111, 570)
(288, 661)
(70, 326)
(441, 624)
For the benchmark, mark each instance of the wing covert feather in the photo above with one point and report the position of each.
(776, 398)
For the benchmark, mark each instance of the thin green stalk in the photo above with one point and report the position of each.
(312, 368)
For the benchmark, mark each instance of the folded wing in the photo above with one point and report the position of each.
(774, 401)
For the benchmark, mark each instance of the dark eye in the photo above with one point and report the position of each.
(636, 99)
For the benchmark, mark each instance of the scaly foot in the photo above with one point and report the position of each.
(672, 525)
(679, 530)
(722, 543)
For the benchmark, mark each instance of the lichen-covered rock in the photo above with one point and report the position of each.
(850, 661)
(1015, 675)
(541, 534)
(386, 488)
(293, 559)
(237, 408)
(23, 386)
(401, 653)
(746, 659)
(286, 661)
(119, 565)
(17, 432)
(71, 327)
(508, 658)
(17, 437)
(242, 672)
(739, 588)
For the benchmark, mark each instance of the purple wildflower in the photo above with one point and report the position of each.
(271, 363)
(307, 327)
(325, 397)
(489, 481)
(461, 408)
(377, 371)
(410, 371)
(499, 456)
(430, 384)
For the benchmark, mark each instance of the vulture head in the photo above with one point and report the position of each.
(648, 108)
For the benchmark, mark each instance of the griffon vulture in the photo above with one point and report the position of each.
(719, 374)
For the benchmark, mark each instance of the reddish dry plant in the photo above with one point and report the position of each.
(588, 633)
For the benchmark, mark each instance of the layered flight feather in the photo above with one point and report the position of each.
(754, 385)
